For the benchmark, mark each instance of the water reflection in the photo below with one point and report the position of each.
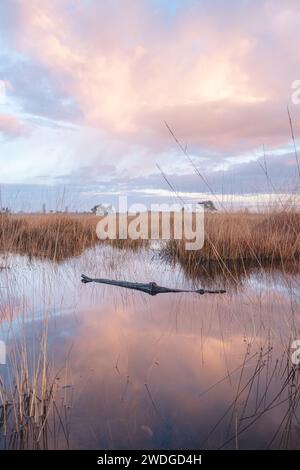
(173, 371)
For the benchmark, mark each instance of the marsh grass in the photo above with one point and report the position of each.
(56, 237)
(263, 384)
(238, 242)
(32, 415)
(269, 237)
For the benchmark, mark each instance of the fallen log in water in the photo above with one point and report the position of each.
(151, 288)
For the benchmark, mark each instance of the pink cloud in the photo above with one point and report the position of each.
(221, 75)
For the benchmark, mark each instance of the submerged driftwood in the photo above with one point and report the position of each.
(151, 288)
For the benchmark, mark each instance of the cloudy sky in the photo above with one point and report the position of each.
(90, 85)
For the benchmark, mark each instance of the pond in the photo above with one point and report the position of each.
(111, 368)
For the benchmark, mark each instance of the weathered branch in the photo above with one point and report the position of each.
(151, 288)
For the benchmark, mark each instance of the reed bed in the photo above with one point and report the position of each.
(34, 408)
(243, 239)
(267, 238)
(53, 236)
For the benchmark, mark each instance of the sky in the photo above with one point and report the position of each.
(90, 89)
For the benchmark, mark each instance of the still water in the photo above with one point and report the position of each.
(174, 371)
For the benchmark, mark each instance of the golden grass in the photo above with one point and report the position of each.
(31, 414)
(242, 238)
(269, 237)
(48, 236)
(53, 236)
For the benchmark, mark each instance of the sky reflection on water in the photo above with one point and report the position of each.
(157, 372)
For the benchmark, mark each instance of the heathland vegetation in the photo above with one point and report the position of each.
(272, 236)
